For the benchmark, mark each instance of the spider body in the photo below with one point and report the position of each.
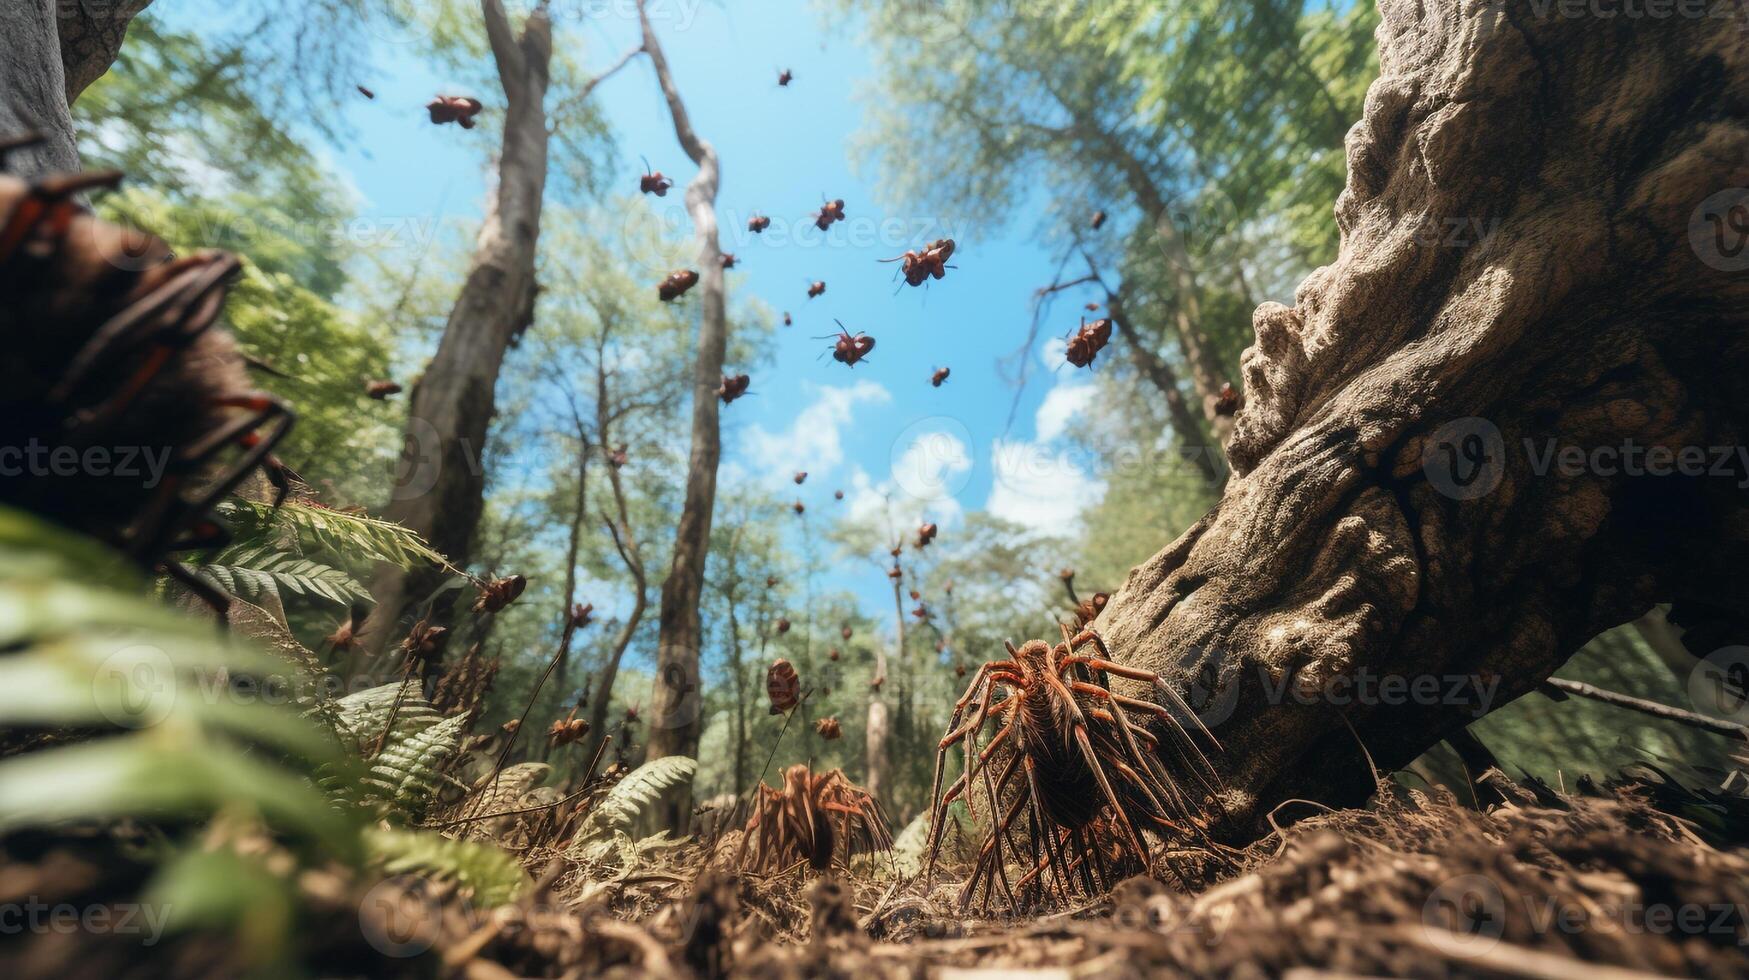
(1078, 759)
(848, 349)
(733, 387)
(652, 182)
(812, 819)
(458, 109)
(829, 212)
(115, 344)
(918, 267)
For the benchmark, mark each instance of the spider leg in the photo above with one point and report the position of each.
(257, 448)
(220, 603)
(1104, 663)
(989, 862)
(1110, 796)
(1047, 828)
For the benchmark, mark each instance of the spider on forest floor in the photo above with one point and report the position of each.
(1073, 755)
(812, 818)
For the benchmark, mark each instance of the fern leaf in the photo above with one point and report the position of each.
(249, 572)
(640, 787)
(489, 873)
(362, 716)
(341, 534)
(403, 776)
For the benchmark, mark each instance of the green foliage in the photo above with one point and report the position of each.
(252, 572)
(628, 798)
(342, 534)
(486, 873)
(404, 775)
(361, 717)
(84, 650)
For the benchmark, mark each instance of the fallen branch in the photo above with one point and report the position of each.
(1558, 689)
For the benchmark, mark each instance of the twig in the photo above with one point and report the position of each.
(510, 743)
(1718, 726)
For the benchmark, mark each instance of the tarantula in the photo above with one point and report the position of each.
(813, 817)
(113, 343)
(1076, 758)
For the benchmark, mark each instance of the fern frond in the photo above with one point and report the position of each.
(251, 571)
(86, 650)
(362, 716)
(403, 777)
(341, 534)
(640, 787)
(489, 873)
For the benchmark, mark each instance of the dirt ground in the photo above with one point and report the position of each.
(1603, 883)
(1598, 884)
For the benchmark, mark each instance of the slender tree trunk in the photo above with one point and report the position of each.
(573, 545)
(440, 490)
(1187, 425)
(738, 677)
(675, 721)
(626, 543)
(879, 725)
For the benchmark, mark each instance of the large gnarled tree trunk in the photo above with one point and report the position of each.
(1394, 510)
(675, 722)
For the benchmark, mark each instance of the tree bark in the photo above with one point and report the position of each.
(879, 727)
(53, 50)
(1602, 310)
(625, 541)
(33, 81)
(91, 33)
(439, 491)
(675, 721)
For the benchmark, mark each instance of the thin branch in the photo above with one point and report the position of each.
(1718, 726)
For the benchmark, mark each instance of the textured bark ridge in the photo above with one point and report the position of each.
(1539, 250)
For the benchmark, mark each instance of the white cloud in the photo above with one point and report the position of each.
(1038, 486)
(1061, 405)
(814, 440)
(1041, 484)
(925, 475)
(878, 505)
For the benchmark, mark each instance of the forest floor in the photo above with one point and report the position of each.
(1542, 884)
(1608, 882)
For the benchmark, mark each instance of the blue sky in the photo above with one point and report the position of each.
(878, 428)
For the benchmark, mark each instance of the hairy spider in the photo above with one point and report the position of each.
(1078, 758)
(113, 342)
(813, 817)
